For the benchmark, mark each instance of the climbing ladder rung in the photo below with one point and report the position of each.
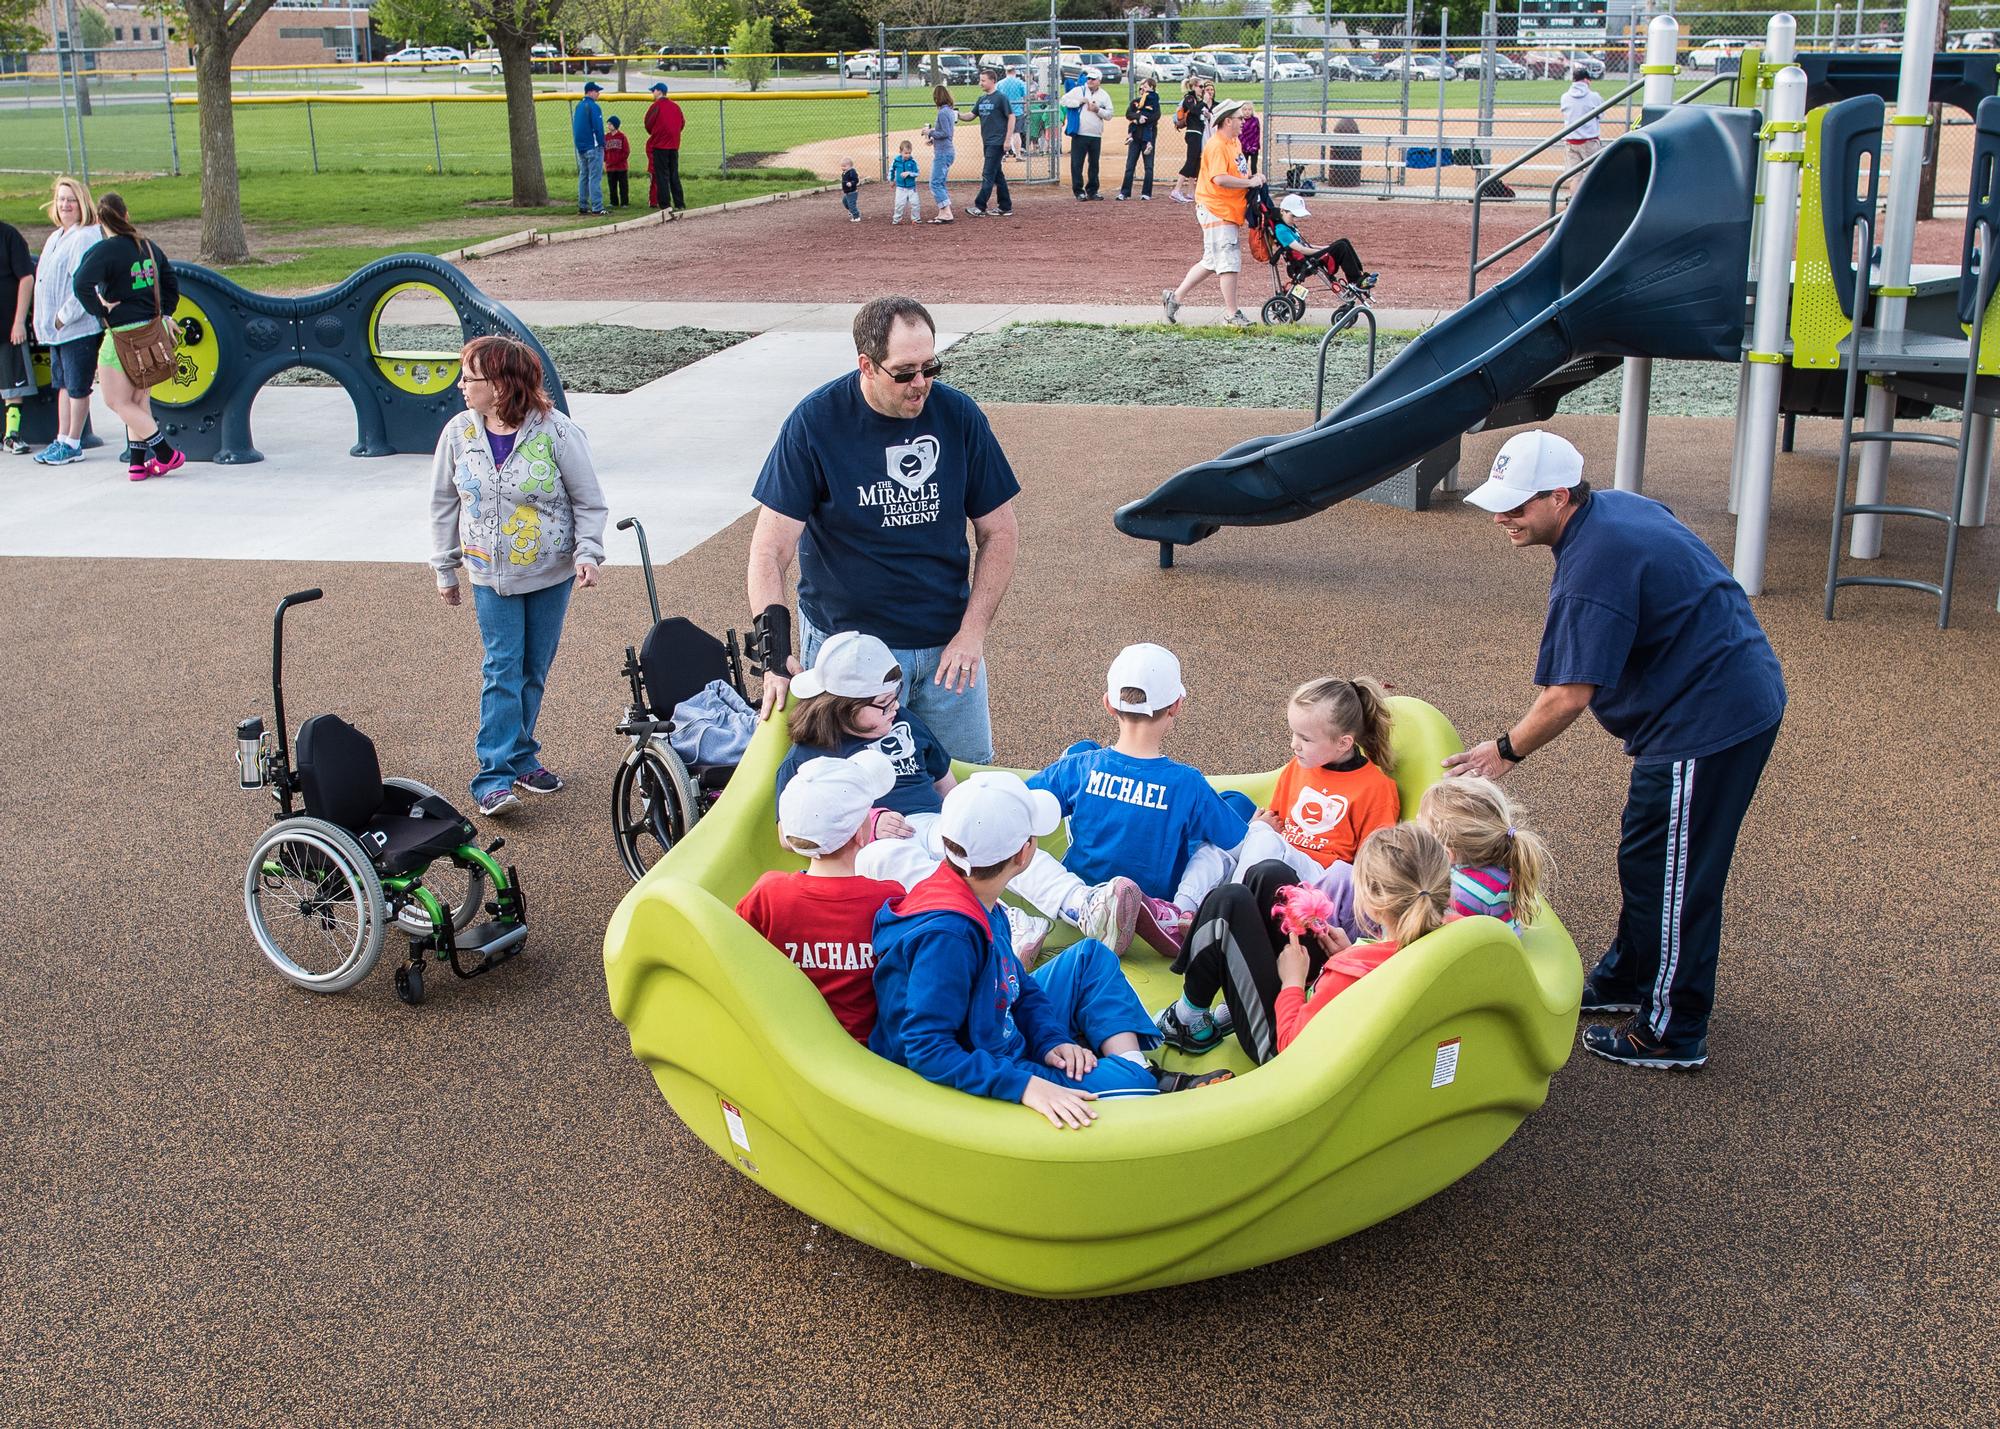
(1876, 508)
(1922, 438)
(1925, 586)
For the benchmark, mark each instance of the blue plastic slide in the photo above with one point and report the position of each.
(1648, 261)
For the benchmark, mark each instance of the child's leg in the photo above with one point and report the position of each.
(1264, 844)
(1091, 995)
(906, 861)
(1207, 867)
(1336, 881)
(1349, 261)
(1231, 951)
(1050, 887)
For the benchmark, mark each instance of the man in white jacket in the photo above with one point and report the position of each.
(1093, 108)
(1577, 101)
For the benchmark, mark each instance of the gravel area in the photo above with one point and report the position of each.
(1161, 366)
(594, 357)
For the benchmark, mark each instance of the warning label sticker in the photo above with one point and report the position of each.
(734, 1120)
(1444, 1071)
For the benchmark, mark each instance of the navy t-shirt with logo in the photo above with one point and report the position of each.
(920, 761)
(1641, 608)
(885, 501)
(994, 110)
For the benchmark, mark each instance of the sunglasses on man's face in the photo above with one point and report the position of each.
(1520, 510)
(929, 371)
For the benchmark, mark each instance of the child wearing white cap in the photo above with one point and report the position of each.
(822, 918)
(957, 1006)
(1135, 812)
(850, 700)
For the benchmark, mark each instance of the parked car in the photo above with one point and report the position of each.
(1421, 67)
(480, 62)
(948, 67)
(1106, 67)
(1975, 40)
(1282, 67)
(871, 64)
(1354, 67)
(1219, 65)
(1008, 63)
(1164, 63)
(1472, 66)
(408, 55)
(1717, 56)
(1557, 64)
(442, 55)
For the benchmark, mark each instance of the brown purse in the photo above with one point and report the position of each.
(146, 353)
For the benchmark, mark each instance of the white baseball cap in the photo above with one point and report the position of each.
(991, 814)
(1295, 206)
(851, 664)
(826, 800)
(1151, 668)
(1530, 463)
(1089, 73)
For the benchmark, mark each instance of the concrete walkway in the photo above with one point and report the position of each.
(961, 318)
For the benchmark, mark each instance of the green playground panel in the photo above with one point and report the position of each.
(1417, 1075)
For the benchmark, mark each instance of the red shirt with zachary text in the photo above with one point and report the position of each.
(826, 927)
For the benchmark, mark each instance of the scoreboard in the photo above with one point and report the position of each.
(1570, 23)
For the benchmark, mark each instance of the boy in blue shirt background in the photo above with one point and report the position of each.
(903, 175)
(1135, 813)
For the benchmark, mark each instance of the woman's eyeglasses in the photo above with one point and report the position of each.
(929, 371)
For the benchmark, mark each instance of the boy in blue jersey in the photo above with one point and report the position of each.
(958, 1008)
(1137, 814)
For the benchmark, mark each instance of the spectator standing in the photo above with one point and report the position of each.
(63, 323)
(617, 165)
(127, 282)
(942, 133)
(1250, 136)
(903, 178)
(1142, 128)
(995, 113)
(516, 505)
(17, 364)
(586, 128)
(1016, 90)
(1089, 107)
(1191, 118)
(1580, 101)
(664, 123)
(1221, 197)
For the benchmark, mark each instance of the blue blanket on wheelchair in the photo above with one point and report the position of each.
(713, 726)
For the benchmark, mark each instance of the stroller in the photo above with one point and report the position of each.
(1293, 274)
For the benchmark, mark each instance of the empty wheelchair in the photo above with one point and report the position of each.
(656, 796)
(331, 875)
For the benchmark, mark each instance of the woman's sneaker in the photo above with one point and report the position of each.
(156, 467)
(500, 801)
(1239, 318)
(1171, 303)
(1632, 1043)
(58, 453)
(1203, 1037)
(539, 781)
(1110, 913)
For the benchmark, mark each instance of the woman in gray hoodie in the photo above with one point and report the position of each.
(516, 505)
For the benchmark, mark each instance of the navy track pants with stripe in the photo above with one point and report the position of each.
(1679, 836)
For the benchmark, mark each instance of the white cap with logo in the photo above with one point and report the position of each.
(991, 815)
(1530, 463)
(826, 800)
(1151, 669)
(850, 664)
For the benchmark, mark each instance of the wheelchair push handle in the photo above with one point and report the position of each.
(631, 523)
(297, 597)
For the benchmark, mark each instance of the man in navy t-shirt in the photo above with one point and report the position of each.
(1648, 629)
(871, 484)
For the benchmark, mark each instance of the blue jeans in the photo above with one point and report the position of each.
(590, 179)
(851, 201)
(941, 157)
(959, 719)
(520, 633)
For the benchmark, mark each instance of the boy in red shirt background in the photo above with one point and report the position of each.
(823, 917)
(617, 165)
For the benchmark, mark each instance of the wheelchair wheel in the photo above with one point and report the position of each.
(1278, 311)
(462, 890)
(315, 904)
(653, 805)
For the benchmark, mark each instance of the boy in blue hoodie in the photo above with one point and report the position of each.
(957, 1007)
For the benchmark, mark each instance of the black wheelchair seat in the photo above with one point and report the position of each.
(677, 661)
(399, 829)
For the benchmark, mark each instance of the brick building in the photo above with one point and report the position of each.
(292, 32)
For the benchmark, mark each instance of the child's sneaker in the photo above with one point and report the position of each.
(1028, 933)
(500, 801)
(539, 781)
(1171, 303)
(14, 446)
(1367, 282)
(1633, 1044)
(1163, 925)
(156, 467)
(1202, 1038)
(1188, 1081)
(1110, 913)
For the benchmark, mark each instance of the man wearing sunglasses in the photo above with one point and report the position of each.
(1647, 629)
(871, 485)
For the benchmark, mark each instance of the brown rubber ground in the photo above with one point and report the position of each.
(228, 1202)
(1054, 250)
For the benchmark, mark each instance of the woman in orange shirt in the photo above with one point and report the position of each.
(1221, 194)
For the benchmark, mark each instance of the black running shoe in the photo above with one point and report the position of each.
(1633, 1044)
(1188, 1081)
(1602, 995)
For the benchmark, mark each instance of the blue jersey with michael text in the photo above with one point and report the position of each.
(1641, 608)
(885, 501)
(919, 760)
(1139, 818)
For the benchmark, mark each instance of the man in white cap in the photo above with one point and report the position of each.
(1093, 109)
(956, 1005)
(1221, 195)
(1647, 629)
(823, 918)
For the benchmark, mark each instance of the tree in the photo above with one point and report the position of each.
(623, 25)
(18, 34)
(749, 53)
(421, 22)
(216, 28)
(513, 26)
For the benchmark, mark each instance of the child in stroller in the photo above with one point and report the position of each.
(1295, 262)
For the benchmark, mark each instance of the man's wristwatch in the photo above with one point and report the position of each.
(1505, 744)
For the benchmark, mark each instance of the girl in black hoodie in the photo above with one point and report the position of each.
(117, 281)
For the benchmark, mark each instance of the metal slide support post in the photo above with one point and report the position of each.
(1780, 46)
(1783, 160)
(1908, 131)
(1662, 43)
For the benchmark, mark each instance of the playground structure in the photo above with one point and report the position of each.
(1418, 1074)
(1615, 278)
(233, 341)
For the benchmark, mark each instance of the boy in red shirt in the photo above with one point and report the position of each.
(823, 917)
(617, 165)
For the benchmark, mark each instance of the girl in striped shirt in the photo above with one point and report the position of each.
(1498, 868)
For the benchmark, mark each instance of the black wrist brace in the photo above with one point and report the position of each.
(771, 641)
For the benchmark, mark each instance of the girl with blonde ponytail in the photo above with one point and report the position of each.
(1498, 867)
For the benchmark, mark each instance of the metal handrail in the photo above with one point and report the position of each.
(1360, 311)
